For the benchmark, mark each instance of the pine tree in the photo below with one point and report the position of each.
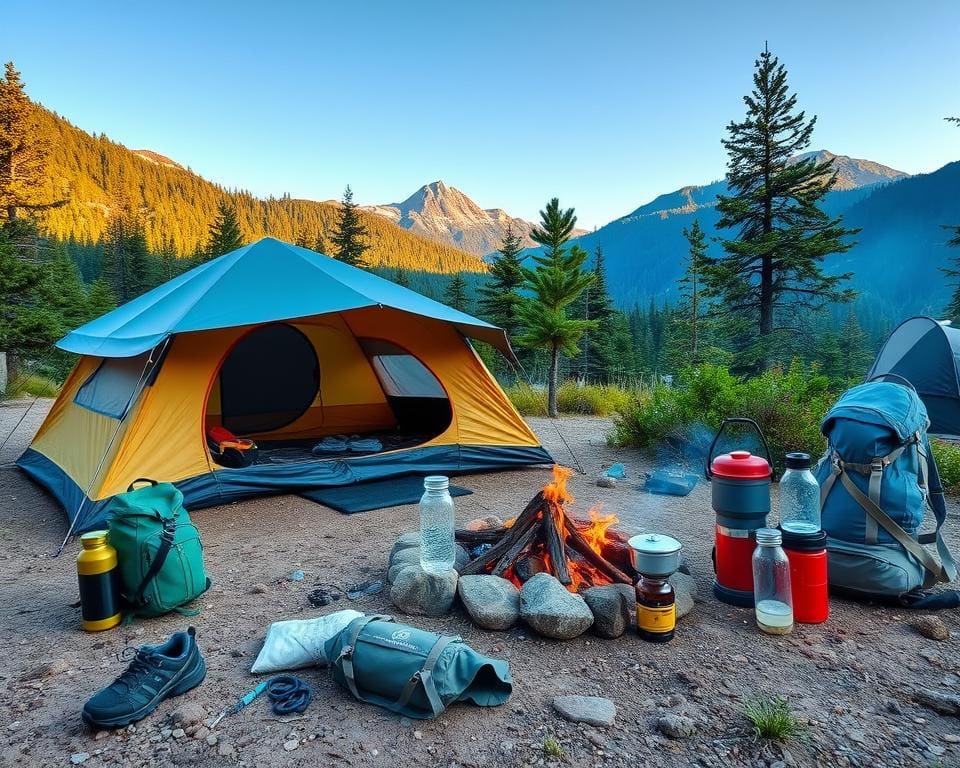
(500, 295)
(855, 353)
(456, 293)
(689, 312)
(321, 245)
(100, 299)
(400, 277)
(775, 264)
(24, 151)
(597, 350)
(125, 256)
(556, 283)
(225, 234)
(62, 289)
(349, 243)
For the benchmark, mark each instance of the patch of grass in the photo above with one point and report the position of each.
(948, 462)
(33, 386)
(553, 748)
(572, 397)
(772, 719)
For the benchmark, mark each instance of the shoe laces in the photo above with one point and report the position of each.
(142, 664)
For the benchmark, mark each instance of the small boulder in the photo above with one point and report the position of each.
(676, 726)
(685, 589)
(408, 540)
(932, 627)
(492, 602)
(406, 556)
(395, 570)
(547, 606)
(592, 710)
(612, 606)
(187, 714)
(421, 593)
(605, 481)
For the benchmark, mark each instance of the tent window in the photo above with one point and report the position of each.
(110, 389)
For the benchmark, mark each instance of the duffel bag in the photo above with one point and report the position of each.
(411, 671)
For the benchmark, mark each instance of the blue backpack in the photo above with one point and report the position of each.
(877, 480)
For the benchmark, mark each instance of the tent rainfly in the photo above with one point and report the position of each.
(927, 354)
(288, 348)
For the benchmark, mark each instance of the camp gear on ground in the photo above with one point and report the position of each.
(413, 672)
(798, 500)
(300, 643)
(99, 582)
(772, 595)
(437, 525)
(655, 554)
(669, 482)
(156, 672)
(616, 471)
(377, 494)
(288, 694)
(282, 346)
(927, 354)
(740, 493)
(877, 480)
(228, 450)
(158, 549)
(807, 553)
(656, 609)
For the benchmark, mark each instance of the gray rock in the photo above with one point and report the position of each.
(551, 610)
(676, 726)
(78, 758)
(685, 588)
(492, 602)
(612, 606)
(395, 570)
(592, 710)
(944, 703)
(411, 556)
(461, 558)
(605, 481)
(188, 713)
(408, 540)
(421, 593)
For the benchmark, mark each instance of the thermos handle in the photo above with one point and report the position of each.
(736, 420)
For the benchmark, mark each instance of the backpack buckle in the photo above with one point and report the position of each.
(877, 465)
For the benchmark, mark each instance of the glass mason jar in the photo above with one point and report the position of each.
(437, 546)
(799, 496)
(772, 600)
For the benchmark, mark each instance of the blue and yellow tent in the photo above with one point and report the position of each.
(284, 346)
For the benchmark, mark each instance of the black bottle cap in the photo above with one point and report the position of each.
(804, 542)
(798, 460)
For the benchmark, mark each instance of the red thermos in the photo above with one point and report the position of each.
(807, 553)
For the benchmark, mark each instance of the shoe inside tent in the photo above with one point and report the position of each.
(338, 376)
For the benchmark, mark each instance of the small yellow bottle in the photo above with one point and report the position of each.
(99, 582)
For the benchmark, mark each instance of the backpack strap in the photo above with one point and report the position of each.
(166, 542)
(424, 676)
(933, 490)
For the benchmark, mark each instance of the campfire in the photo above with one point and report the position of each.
(546, 538)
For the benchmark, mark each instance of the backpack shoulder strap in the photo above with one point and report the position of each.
(933, 490)
(166, 542)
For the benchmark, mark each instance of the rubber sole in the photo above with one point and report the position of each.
(177, 688)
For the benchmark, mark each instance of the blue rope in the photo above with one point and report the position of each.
(288, 694)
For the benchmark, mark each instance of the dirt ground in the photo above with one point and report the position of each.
(850, 680)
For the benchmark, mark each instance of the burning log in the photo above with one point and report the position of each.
(544, 538)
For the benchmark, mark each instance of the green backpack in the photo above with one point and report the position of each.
(159, 554)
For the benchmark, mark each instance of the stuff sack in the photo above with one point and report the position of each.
(300, 643)
(159, 554)
(413, 672)
(877, 480)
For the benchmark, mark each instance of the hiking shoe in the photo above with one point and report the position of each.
(157, 672)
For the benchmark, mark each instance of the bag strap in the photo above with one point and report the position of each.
(346, 651)
(166, 542)
(424, 676)
(933, 491)
(934, 571)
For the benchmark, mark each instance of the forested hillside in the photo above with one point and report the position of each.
(98, 176)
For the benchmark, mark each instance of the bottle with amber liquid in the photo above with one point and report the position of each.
(656, 609)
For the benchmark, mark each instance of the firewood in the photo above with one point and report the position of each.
(524, 522)
(576, 540)
(521, 544)
(484, 536)
(529, 565)
(553, 543)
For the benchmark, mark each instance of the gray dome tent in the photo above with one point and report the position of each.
(927, 354)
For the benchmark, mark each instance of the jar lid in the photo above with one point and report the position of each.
(92, 539)
(740, 464)
(798, 460)
(654, 544)
(804, 542)
(769, 536)
(436, 482)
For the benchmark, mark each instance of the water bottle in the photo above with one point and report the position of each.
(437, 546)
(772, 597)
(799, 496)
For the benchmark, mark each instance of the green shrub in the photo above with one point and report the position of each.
(772, 719)
(788, 406)
(33, 386)
(948, 462)
(584, 399)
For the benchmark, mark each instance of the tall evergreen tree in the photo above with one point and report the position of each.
(100, 299)
(24, 150)
(689, 312)
(349, 243)
(500, 295)
(322, 245)
(225, 234)
(125, 256)
(400, 277)
(775, 263)
(556, 283)
(456, 294)
(597, 360)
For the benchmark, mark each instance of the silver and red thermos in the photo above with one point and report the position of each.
(740, 492)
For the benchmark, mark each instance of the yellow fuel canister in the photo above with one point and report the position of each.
(99, 582)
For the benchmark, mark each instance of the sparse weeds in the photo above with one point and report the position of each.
(772, 719)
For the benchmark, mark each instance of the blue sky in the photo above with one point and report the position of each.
(604, 104)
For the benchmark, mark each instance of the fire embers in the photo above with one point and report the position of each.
(544, 538)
